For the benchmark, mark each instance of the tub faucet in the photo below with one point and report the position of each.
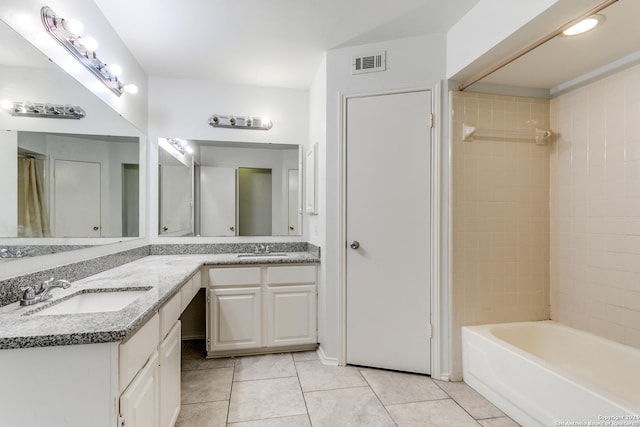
(32, 296)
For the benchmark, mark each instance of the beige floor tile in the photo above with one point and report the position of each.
(264, 367)
(396, 387)
(260, 399)
(206, 385)
(434, 413)
(315, 376)
(346, 407)
(195, 363)
(208, 414)
(295, 421)
(498, 422)
(470, 400)
(305, 356)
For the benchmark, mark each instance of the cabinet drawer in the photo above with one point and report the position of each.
(297, 274)
(170, 312)
(186, 294)
(196, 283)
(134, 353)
(234, 276)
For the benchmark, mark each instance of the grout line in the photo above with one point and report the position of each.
(230, 394)
(304, 399)
(377, 397)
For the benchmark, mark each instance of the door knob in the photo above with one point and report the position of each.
(355, 244)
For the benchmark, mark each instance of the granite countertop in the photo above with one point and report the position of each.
(164, 275)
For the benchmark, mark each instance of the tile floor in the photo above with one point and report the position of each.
(296, 390)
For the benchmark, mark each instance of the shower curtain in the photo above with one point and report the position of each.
(33, 219)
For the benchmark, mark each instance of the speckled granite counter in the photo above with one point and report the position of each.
(163, 274)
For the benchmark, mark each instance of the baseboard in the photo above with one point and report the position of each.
(330, 361)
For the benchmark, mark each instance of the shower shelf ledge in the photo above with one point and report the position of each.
(539, 136)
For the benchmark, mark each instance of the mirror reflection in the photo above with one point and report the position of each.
(239, 189)
(61, 179)
(75, 186)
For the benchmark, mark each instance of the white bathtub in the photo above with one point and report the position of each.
(547, 374)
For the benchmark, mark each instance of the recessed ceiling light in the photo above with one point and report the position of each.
(584, 25)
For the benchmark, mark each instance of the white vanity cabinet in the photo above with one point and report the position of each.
(256, 309)
(290, 306)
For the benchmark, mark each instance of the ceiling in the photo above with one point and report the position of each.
(276, 43)
(565, 58)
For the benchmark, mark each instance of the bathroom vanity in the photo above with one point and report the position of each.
(122, 368)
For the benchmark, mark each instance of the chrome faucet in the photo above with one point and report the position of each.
(31, 295)
(261, 250)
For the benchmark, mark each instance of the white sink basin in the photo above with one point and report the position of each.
(94, 302)
(269, 255)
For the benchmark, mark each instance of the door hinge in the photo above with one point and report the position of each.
(208, 298)
(121, 422)
(431, 123)
(208, 344)
(430, 331)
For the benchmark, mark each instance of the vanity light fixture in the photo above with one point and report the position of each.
(37, 109)
(68, 32)
(180, 145)
(240, 122)
(585, 25)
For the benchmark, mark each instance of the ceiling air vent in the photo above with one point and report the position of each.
(369, 63)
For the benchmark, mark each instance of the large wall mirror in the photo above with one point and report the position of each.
(230, 189)
(66, 183)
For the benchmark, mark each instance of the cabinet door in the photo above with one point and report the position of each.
(291, 315)
(170, 377)
(139, 404)
(235, 318)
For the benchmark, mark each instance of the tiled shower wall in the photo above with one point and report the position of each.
(595, 207)
(500, 270)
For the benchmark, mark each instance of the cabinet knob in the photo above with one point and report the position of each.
(232, 228)
(96, 228)
(354, 245)
(165, 228)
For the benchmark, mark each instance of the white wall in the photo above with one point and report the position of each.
(24, 17)
(9, 180)
(181, 109)
(413, 62)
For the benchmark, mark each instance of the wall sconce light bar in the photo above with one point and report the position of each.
(66, 32)
(240, 122)
(180, 145)
(33, 109)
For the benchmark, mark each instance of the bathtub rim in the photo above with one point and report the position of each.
(612, 398)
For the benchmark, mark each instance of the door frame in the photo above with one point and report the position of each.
(434, 226)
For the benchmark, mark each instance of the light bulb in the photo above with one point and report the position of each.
(89, 43)
(74, 26)
(115, 70)
(188, 149)
(584, 25)
(6, 104)
(131, 88)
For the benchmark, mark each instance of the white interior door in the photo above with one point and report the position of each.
(76, 198)
(175, 200)
(217, 201)
(388, 190)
